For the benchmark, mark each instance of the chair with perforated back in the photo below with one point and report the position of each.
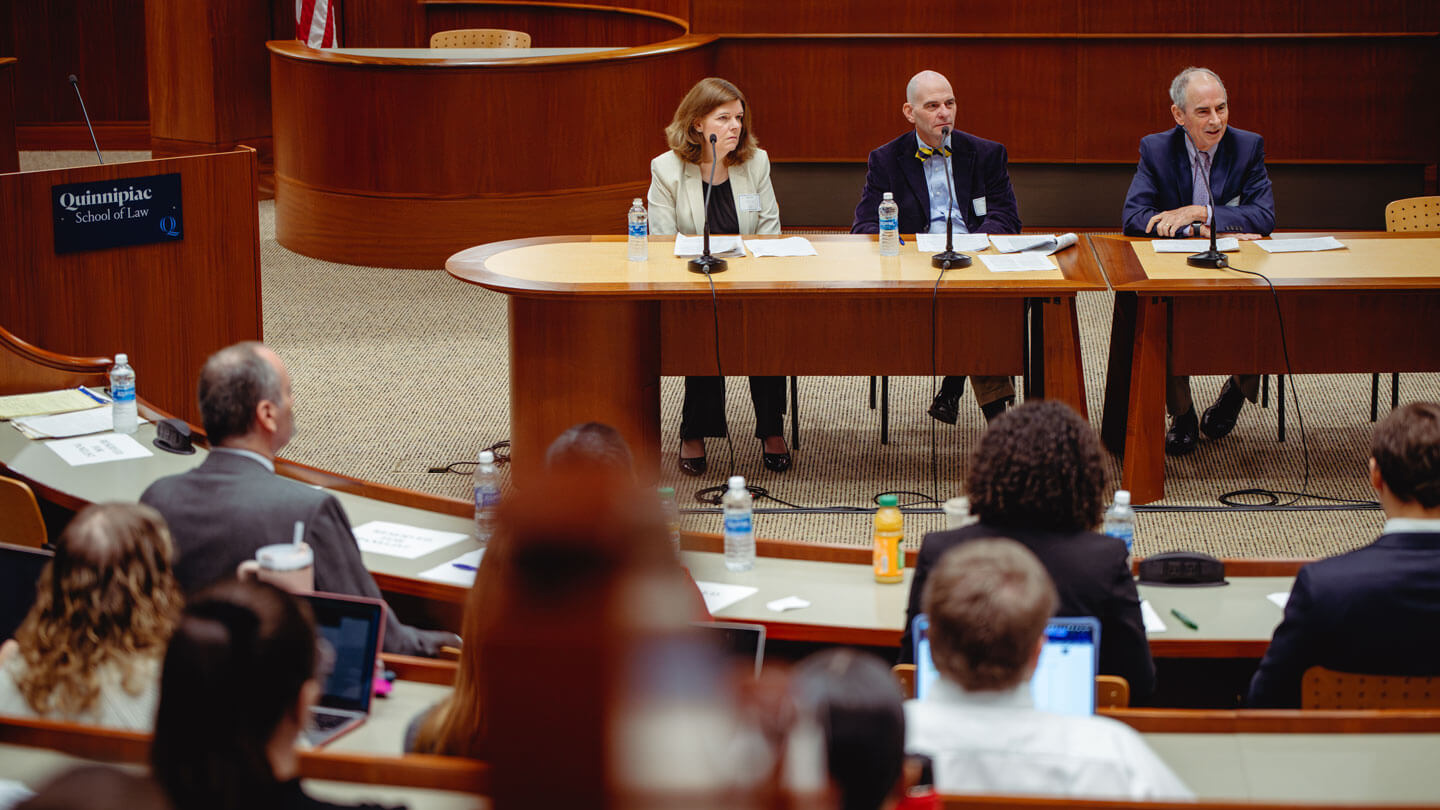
(1322, 688)
(479, 38)
(1409, 214)
(20, 520)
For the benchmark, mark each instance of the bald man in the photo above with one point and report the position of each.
(1169, 198)
(913, 168)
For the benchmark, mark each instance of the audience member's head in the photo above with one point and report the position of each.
(1038, 467)
(858, 704)
(591, 446)
(108, 599)
(988, 601)
(1405, 457)
(235, 690)
(245, 398)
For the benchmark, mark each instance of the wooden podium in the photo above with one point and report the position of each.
(168, 305)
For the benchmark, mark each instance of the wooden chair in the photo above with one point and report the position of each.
(1323, 688)
(1409, 214)
(1111, 691)
(22, 524)
(479, 38)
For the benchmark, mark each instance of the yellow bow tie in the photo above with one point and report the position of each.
(924, 152)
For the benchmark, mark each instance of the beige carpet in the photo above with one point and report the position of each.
(396, 371)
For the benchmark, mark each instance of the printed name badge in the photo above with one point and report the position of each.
(979, 203)
(748, 202)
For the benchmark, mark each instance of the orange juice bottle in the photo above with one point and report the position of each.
(889, 532)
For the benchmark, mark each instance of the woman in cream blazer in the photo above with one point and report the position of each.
(743, 202)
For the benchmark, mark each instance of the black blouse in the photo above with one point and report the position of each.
(721, 211)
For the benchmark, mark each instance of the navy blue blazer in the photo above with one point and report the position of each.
(1374, 610)
(1238, 182)
(979, 168)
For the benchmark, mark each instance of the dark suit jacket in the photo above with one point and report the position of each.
(1163, 182)
(979, 168)
(223, 510)
(1092, 579)
(1374, 610)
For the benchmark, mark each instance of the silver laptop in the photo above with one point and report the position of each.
(352, 629)
(742, 642)
(1064, 680)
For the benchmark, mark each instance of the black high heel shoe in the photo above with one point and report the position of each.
(775, 462)
(696, 465)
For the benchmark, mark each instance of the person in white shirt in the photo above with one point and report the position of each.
(988, 602)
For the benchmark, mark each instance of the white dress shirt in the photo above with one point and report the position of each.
(1411, 526)
(999, 743)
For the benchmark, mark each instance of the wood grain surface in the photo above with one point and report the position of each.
(9, 155)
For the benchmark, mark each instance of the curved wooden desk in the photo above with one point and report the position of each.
(590, 333)
(401, 161)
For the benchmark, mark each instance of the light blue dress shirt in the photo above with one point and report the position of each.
(935, 170)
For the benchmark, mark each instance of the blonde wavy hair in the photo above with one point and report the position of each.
(108, 598)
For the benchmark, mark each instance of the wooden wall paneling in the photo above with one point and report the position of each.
(101, 41)
(9, 157)
(374, 24)
(871, 17)
(1244, 16)
(1014, 92)
(554, 25)
(168, 305)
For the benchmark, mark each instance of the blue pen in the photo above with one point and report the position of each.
(87, 392)
(463, 566)
(901, 238)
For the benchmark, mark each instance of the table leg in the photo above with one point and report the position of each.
(1116, 411)
(575, 361)
(1144, 458)
(1064, 370)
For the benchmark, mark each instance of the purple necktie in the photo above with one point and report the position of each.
(1199, 195)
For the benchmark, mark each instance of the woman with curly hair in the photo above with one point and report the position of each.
(1038, 476)
(90, 649)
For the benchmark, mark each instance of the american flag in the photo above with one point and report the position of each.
(315, 23)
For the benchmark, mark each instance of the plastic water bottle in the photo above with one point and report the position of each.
(122, 394)
(889, 559)
(670, 513)
(739, 511)
(1120, 521)
(639, 231)
(487, 496)
(889, 226)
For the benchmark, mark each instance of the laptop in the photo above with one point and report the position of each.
(740, 641)
(1064, 680)
(20, 568)
(352, 627)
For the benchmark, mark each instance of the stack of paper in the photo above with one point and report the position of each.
(62, 425)
(724, 247)
(935, 242)
(1017, 262)
(1226, 244)
(71, 399)
(790, 246)
(1300, 245)
(1033, 242)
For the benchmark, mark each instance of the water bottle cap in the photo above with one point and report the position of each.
(1122, 497)
(666, 492)
(888, 196)
(487, 457)
(737, 482)
(889, 500)
(635, 201)
(122, 359)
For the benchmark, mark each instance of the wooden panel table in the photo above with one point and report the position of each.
(590, 333)
(1370, 307)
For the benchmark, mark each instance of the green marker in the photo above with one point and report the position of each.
(1185, 620)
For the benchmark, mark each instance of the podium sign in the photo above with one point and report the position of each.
(117, 213)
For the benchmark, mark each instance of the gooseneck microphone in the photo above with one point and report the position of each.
(706, 263)
(948, 258)
(75, 83)
(1212, 258)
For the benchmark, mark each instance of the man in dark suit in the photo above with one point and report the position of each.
(913, 169)
(1169, 198)
(232, 504)
(1375, 609)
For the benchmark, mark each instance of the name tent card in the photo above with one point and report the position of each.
(117, 213)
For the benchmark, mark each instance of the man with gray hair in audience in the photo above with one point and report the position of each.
(222, 511)
(988, 602)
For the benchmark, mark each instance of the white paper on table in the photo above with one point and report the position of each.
(1016, 262)
(399, 540)
(787, 603)
(726, 247)
(95, 449)
(1280, 599)
(65, 425)
(789, 246)
(1033, 242)
(1227, 244)
(1300, 245)
(1153, 624)
(720, 595)
(459, 571)
(935, 242)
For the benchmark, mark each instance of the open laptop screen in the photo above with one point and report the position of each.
(1064, 680)
(352, 627)
(20, 568)
(741, 641)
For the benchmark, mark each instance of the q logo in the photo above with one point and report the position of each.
(168, 226)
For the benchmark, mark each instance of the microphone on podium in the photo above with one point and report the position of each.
(1212, 258)
(75, 83)
(948, 258)
(706, 263)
